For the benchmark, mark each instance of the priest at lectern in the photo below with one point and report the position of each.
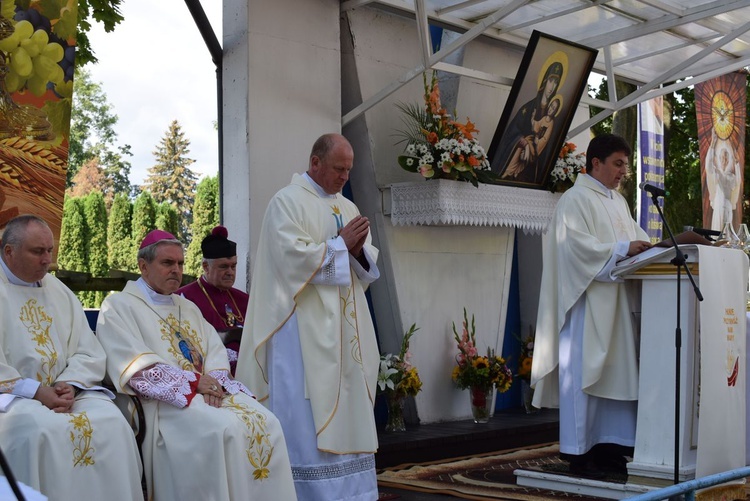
(585, 359)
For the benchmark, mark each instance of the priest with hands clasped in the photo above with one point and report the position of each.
(310, 351)
(585, 359)
(60, 430)
(206, 436)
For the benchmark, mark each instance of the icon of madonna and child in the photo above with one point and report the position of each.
(523, 153)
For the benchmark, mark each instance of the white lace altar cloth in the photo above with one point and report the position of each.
(446, 202)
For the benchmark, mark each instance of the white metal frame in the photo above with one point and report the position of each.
(723, 46)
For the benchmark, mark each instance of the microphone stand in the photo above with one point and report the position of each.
(680, 263)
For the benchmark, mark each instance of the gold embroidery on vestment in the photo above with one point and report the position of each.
(83, 453)
(173, 331)
(259, 451)
(7, 386)
(38, 324)
(349, 314)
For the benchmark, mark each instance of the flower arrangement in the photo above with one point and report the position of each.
(397, 377)
(526, 356)
(439, 147)
(567, 167)
(473, 370)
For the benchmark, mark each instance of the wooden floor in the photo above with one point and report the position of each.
(508, 429)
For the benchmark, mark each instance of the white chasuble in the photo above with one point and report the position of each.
(314, 342)
(196, 452)
(581, 241)
(88, 453)
(336, 334)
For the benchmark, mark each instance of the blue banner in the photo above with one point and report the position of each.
(651, 164)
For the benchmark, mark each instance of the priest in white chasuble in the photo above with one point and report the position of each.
(309, 349)
(59, 430)
(207, 437)
(585, 348)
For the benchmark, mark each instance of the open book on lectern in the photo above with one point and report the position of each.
(661, 252)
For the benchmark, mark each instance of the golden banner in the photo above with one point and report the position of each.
(720, 112)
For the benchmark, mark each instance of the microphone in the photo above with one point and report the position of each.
(704, 232)
(654, 190)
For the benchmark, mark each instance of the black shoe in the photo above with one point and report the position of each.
(585, 468)
(610, 457)
(614, 464)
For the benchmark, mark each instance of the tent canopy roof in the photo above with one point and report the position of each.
(652, 43)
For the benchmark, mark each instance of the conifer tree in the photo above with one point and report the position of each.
(73, 237)
(95, 214)
(205, 217)
(144, 220)
(171, 179)
(119, 239)
(167, 218)
(71, 255)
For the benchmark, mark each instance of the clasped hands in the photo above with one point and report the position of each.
(354, 235)
(59, 397)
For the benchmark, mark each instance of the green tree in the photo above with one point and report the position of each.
(171, 180)
(73, 237)
(144, 219)
(92, 135)
(167, 218)
(106, 12)
(205, 217)
(682, 171)
(72, 254)
(95, 216)
(602, 92)
(119, 239)
(624, 123)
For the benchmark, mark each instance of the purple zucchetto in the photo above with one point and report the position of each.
(217, 245)
(156, 236)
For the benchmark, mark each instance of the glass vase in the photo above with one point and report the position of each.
(743, 234)
(728, 237)
(395, 421)
(527, 395)
(481, 403)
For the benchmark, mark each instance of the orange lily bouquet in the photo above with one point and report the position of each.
(439, 147)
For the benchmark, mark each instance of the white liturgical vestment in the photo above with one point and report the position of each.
(585, 348)
(196, 451)
(87, 453)
(314, 357)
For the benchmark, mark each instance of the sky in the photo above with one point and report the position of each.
(155, 68)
